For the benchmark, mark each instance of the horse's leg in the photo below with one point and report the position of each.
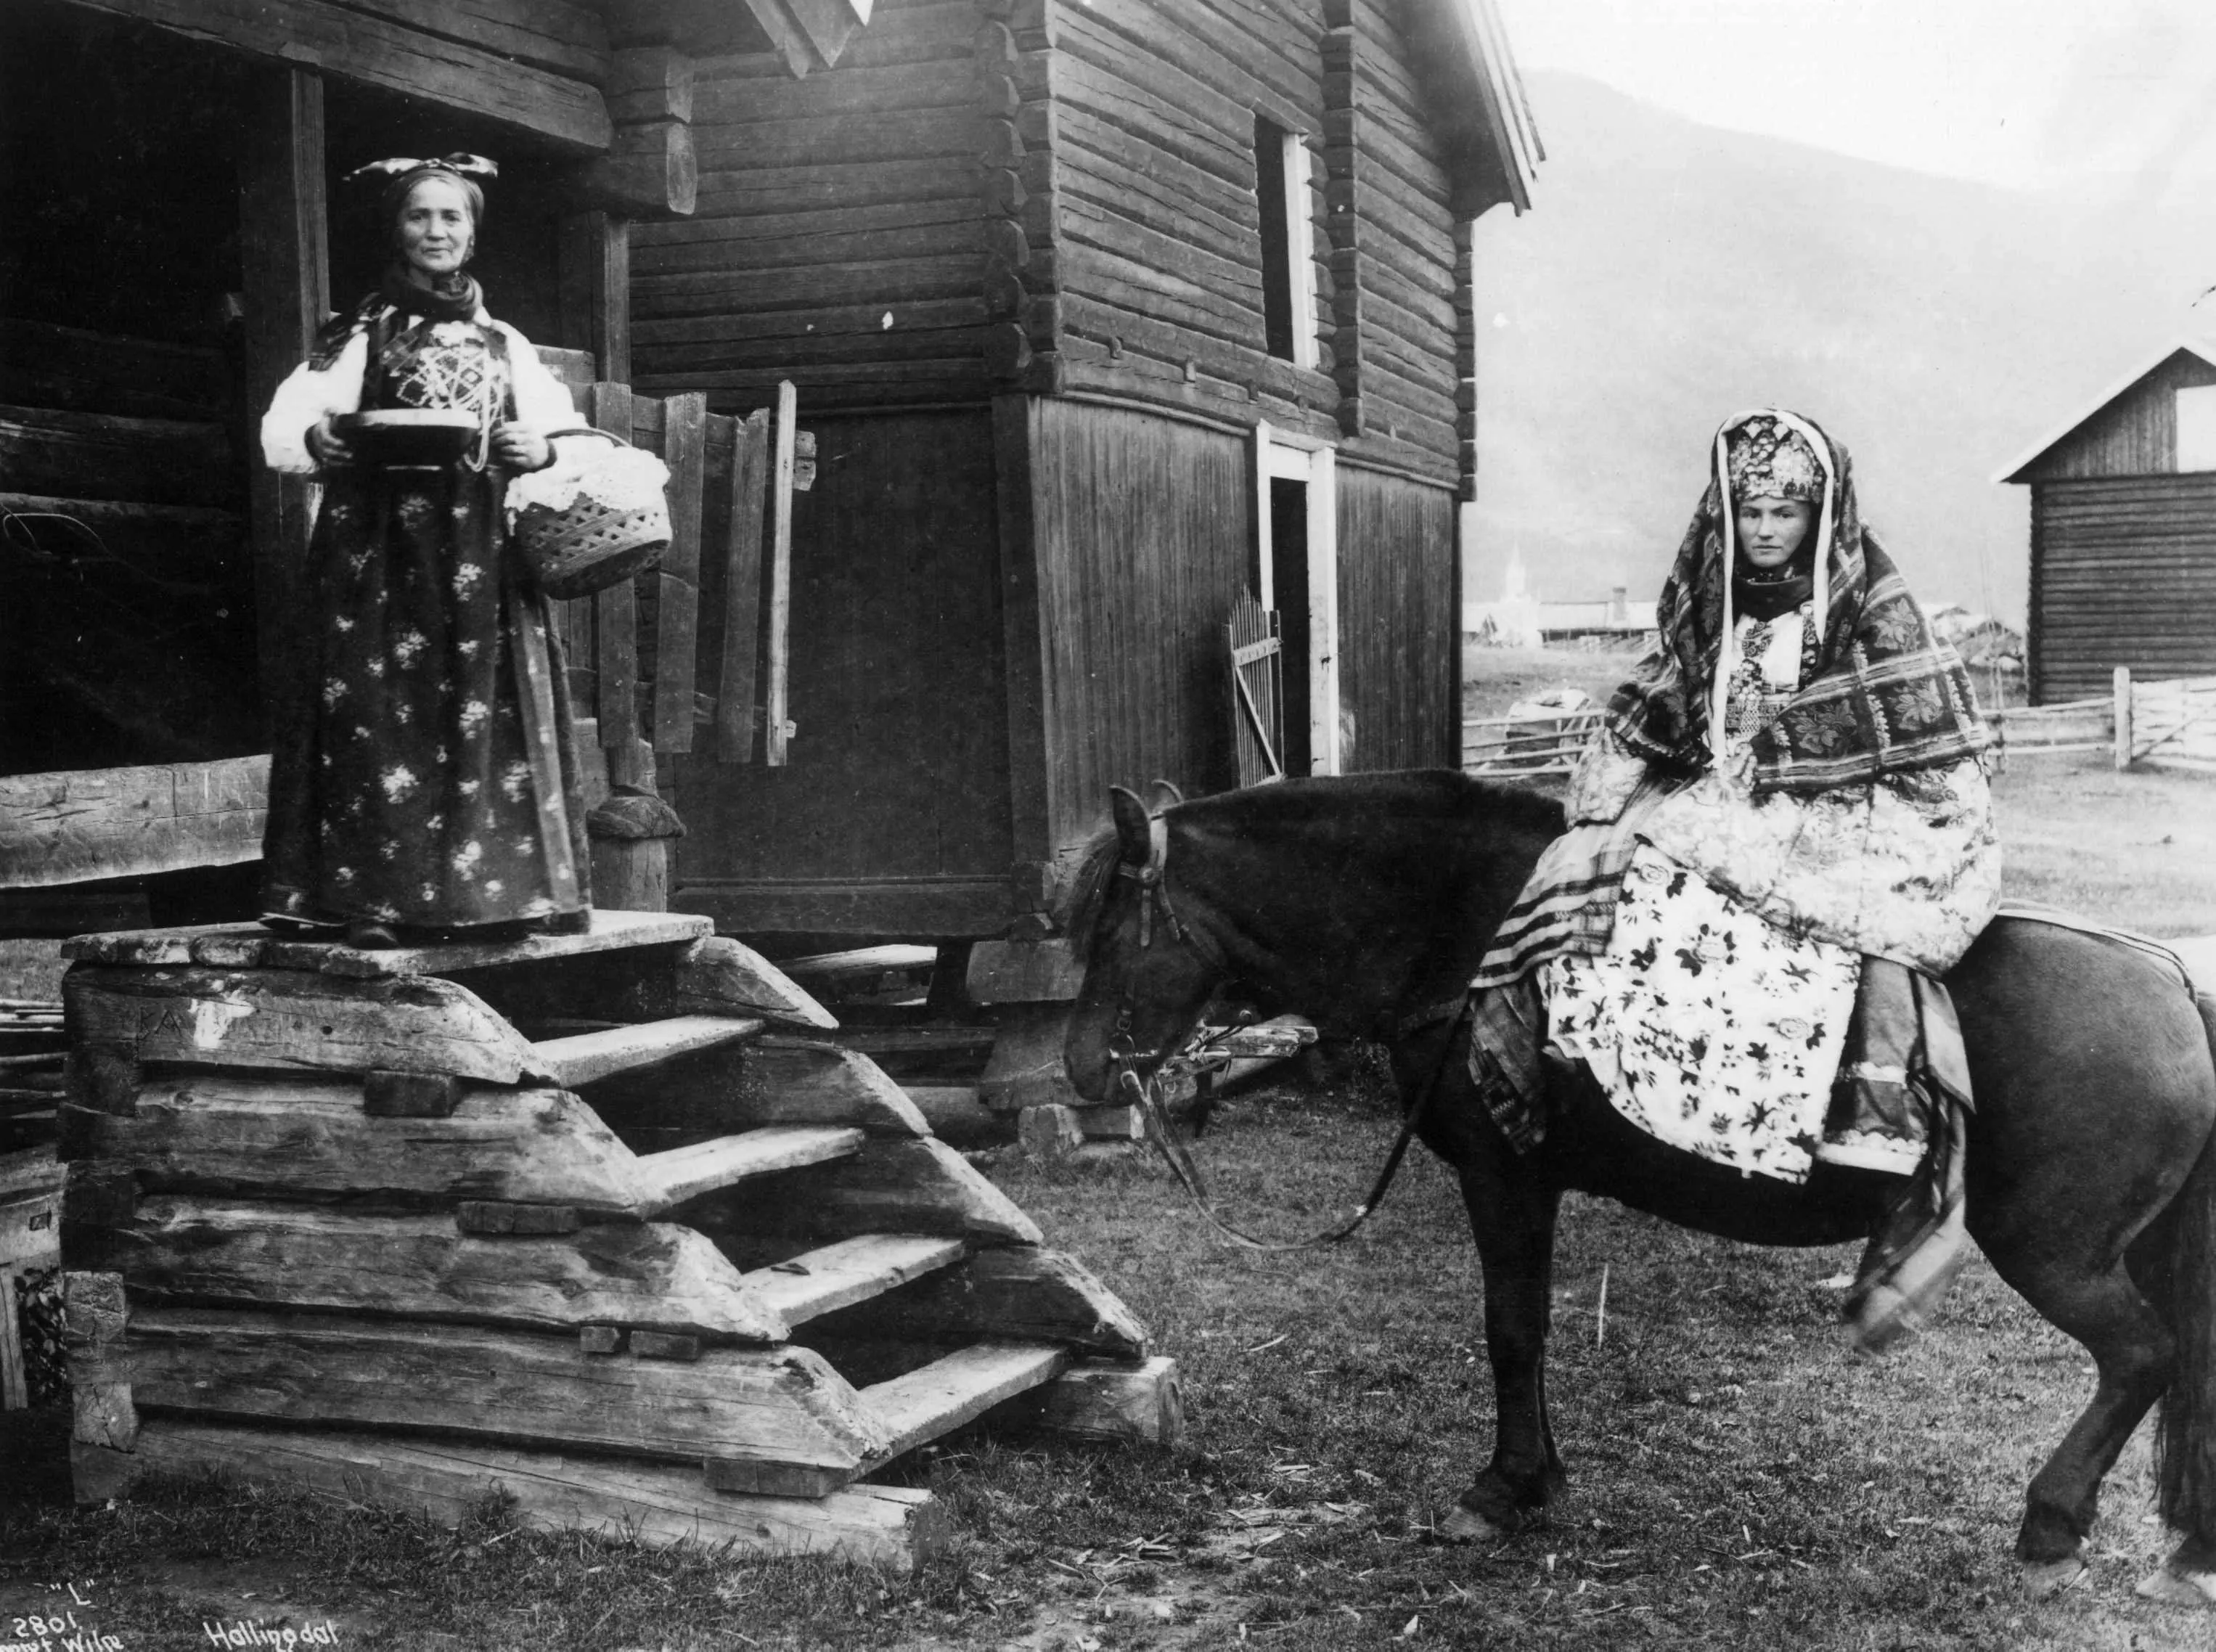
(1512, 1213)
(2131, 1350)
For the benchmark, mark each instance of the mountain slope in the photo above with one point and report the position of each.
(1670, 274)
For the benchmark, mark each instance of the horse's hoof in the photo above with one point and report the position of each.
(1465, 1525)
(2049, 1578)
(2179, 1589)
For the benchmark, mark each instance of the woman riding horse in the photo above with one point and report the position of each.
(1781, 839)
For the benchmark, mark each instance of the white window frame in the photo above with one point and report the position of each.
(1284, 456)
(1300, 252)
(2196, 428)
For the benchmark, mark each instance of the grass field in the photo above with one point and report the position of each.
(1738, 1479)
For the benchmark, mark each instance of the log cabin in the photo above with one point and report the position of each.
(1106, 318)
(2123, 531)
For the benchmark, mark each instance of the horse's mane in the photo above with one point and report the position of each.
(1416, 794)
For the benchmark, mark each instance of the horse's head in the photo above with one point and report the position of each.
(1149, 969)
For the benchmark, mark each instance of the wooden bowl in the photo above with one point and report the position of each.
(409, 436)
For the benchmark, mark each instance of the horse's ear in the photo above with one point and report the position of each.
(1131, 824)
(1166, 794)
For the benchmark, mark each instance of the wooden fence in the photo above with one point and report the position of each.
(2169, 725)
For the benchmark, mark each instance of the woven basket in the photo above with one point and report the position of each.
(616, 525)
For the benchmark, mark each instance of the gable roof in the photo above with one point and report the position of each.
(1478, 102)
(2016, 470)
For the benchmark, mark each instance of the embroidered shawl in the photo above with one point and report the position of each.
(1887, 696)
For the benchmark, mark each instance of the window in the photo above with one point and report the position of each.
(2196, 429)
(1281, 191)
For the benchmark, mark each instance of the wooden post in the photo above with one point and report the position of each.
(2123, 716)
(595, 292)
(284, 260)
(781, 573)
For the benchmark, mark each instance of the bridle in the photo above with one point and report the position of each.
(1152, 876)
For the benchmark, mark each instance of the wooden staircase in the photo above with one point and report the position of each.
(420, 1220)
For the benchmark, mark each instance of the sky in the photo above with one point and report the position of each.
(2028, 94)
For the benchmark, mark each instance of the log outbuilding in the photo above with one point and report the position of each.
(2123, 531)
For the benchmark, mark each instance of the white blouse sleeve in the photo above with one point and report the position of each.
(542, 401)
(305, 399)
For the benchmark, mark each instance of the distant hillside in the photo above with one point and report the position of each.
(1669, 273)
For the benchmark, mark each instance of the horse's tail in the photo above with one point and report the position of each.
(2185, 1446)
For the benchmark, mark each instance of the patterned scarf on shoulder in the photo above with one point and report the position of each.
(1887, 696)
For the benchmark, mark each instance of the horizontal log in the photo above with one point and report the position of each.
(1262, 72)
(1017, 1292)
(45, 365)
(293, 1020)
(182, 1251)
(651, 169)
(651, 83)
(1100, 90)
(681, 1174)
(564, 112)
(782, 1405)
(1120, 1404)
(738, 189)
(67, 455)
(720, 974)
(66, 827)
(895, 1527)
(838, 141)
(885, 281)
(585, 1057)
(947, 84)
(942, 237)
(232, 1136)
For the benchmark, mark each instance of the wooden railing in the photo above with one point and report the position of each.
(1528, 747)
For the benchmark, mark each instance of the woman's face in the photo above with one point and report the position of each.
(434, 227)
(1771, 530)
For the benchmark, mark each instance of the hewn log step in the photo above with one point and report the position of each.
(584, 1056)
(939, 1397)
(684, 1173)
(250, 945)
(851, 1271)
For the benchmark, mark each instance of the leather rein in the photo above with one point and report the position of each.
(1153, 880)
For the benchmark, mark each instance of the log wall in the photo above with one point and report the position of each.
(1394, 237)
(1142, 526)
(1398, 638)
(2123, 572)
(836, 240)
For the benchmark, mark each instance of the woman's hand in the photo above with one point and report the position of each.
(326, 446)
(519, 447)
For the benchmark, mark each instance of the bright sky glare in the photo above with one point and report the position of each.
(2022, 93)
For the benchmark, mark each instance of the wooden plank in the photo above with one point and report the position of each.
(292, 1018)
(584, 1056)
(677, 615)
(227, 1135)
(565, 113)
(719, 975)
(772, 1082)
(742, 592)
(895, 1527)
(818, 1282)
(892, 1185)
(125, 823)
(182, 1251)
(776, 732)
(783, 1404)
(686, 1173)
(593, 282)
(941, 1396)
(610, 931)
(615, 611)
(1103, 1400)
(1018, 1292)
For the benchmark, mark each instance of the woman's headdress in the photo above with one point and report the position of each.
(1765, 457)
(402, 175)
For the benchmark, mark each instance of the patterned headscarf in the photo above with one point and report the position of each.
(1886, 696)
(1768, 458)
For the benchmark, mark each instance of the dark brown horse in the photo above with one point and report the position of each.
(1360, 902)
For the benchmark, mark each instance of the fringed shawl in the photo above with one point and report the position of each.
(1887, 696)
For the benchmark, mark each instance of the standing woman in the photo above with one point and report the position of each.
(425, 785)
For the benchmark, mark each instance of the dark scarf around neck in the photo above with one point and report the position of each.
(1766, 595)
(456, 298)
